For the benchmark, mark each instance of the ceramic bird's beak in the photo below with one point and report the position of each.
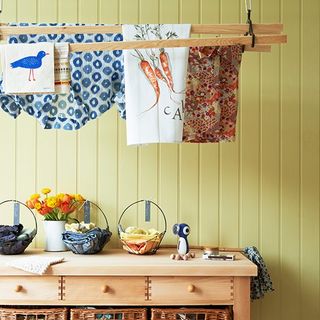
(47, 54)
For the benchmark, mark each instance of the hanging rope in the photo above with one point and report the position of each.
(248, 5)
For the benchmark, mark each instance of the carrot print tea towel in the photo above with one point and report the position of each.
(28, 68)
(155, 81)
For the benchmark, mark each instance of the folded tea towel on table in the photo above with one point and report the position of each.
(155, 83)
(28, 68)
(262, 283)
(97, 82)
(35, 264)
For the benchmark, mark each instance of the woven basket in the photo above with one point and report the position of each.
(90, 242)
(110, 314)
(191, 314)
(33, 314)
(149, 246)
(17, 246)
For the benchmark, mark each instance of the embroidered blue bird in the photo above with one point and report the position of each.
(31, 63)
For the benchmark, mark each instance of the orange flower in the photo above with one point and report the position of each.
(29, 204)
(56, 207)
(65, 207)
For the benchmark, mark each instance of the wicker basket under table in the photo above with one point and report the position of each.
(33, 314)
(112, 314)
(190, 314)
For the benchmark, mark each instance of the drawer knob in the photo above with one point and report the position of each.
(105, 289)
(191, 288)
(18, 288)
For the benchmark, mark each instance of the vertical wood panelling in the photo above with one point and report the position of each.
(229, 163)
(309, 271)
(107, 177)
(248, 128)
(88, 11)
(46, 139)
(47, 10)
(169, 153)
(262, 190)
(148, 155)
(270, 163)
(290, 163)
(9, 11)
(128, 156)
(68, 11)
(249, 133)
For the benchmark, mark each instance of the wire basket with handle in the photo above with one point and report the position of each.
(15, 239)
(138, 241)
(91, 241)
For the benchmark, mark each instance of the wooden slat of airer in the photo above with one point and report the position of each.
(126, 45)
(6, 30)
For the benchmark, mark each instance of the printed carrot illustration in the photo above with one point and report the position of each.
(161, 77)
(165, 64)
(151, 76)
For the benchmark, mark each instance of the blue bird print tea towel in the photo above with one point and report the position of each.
(28, 68)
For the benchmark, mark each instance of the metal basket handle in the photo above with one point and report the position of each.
(21, 203)
(95, 205)
(130, 205)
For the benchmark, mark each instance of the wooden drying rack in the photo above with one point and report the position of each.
(266, 34)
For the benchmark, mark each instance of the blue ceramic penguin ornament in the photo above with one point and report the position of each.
(182, 230)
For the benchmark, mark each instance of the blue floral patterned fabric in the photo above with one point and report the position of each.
(97, 82)
(262, 283)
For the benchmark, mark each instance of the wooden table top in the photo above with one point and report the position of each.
(117, 262)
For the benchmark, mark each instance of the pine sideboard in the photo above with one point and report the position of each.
(115, 277)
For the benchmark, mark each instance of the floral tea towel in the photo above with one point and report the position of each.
(28, 68)
(155, 83)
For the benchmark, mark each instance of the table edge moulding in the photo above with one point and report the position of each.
(117, 278)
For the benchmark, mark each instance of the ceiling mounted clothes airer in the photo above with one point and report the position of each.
(253, 37)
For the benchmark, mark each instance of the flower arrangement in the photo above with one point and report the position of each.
(57, 207)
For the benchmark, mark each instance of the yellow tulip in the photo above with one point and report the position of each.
(78, 197)
(35, 196)
(60, 196)
(37, 205)
(46, 190)
(51, 202)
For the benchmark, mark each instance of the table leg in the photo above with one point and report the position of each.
(241, 307)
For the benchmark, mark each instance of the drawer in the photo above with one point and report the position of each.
(104, 290)
(29, 288)
(191, 290)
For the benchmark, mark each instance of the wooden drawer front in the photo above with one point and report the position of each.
(29, 288)
(191, 290)
(105, 290)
